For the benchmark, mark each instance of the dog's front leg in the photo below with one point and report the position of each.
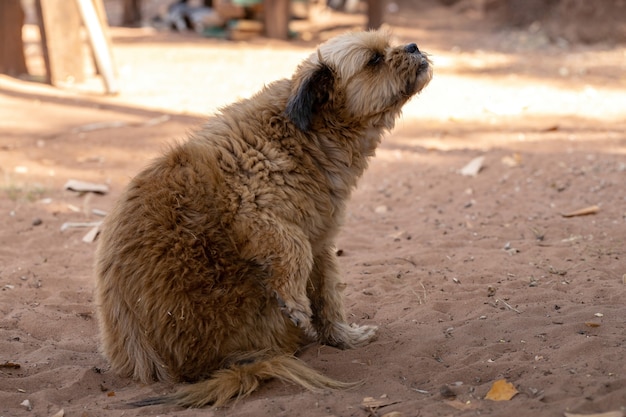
(285, 253)
(329, 316)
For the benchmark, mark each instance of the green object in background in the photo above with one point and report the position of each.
(246, 3)
(214, 32)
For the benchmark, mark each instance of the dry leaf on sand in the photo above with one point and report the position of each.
(60, 413)
(582, 212)
(473, 167)
(84, 187)
(371, 403)
(501, 390)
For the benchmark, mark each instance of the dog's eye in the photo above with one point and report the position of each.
(376, 59)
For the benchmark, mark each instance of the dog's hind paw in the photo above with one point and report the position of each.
(345, 336)
(300, 315)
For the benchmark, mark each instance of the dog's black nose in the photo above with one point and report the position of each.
(411, 48)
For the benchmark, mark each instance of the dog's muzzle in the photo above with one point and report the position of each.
(414, 50)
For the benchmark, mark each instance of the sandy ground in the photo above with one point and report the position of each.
(471, 279)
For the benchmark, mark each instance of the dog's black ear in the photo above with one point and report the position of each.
(313, 91)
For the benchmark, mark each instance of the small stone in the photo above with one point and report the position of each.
(381, 209)
(447, 392)
(37, 221)
(27, 405)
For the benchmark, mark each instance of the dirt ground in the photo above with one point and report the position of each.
(471, 279)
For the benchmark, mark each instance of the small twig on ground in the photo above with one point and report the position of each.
(510, 307)
(372, 406)
(420, 300)
(407, 260)
(421, 391)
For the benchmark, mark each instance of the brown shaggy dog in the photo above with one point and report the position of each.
(217, 263)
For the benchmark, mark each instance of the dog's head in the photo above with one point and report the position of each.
(357, 77)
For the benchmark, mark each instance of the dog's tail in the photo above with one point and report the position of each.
(243, 377)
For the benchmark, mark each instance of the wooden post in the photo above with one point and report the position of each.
(277, 14)
(12, 61)
(375, 13)
(131, 15)
(61, 29)
(99, 44)
(44, 42)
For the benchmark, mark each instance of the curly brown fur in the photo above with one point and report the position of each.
(217, 263)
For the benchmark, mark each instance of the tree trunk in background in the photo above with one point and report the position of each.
(61, 31)
(277, 14)
(12, 60)
(375, 13)
(132, 13)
